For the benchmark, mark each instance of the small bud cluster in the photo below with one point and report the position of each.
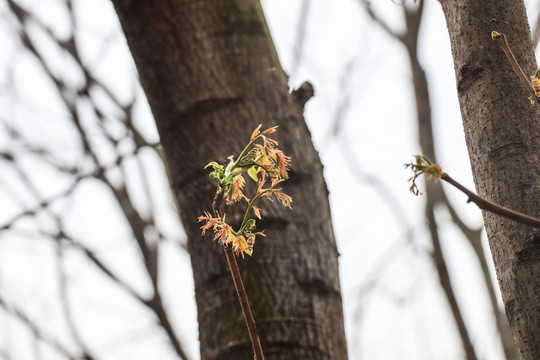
(423, 166)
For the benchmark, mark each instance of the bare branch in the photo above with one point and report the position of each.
(23, 318)
(515, 65)
(492, 207)
(377, 19)
(444, 279)
(64, 299)
(300, 41)
(70, 99)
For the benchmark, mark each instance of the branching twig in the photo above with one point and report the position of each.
(424, 166)
(380, 22)
(23, 318)
(71, 98)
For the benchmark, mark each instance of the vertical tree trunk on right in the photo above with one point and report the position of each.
(502, 131)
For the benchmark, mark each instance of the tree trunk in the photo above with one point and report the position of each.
(502, 131)
(211, 75)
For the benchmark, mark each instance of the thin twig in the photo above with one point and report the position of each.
(300, 41)
(444, 279)
(240, 289)
(244, 303)
(492, 207)
(64, 299)
(513, 61)
(380, 22)
(473, 236)
(33, 327)
(137, 223)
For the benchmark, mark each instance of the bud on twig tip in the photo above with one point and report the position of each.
(495, 35)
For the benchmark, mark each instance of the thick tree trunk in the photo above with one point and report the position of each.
(502, 131)
(211, 75)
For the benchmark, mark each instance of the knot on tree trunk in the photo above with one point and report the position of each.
(303, 94)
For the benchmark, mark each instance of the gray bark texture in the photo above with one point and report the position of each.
(502, 131)
(211, 75)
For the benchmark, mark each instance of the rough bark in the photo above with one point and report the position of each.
(502, 132)
(211, 75)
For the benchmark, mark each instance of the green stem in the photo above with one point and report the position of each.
(235, 164)
(233, 175)
(246, 215)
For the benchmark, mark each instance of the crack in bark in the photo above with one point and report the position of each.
(468, 75)
(510, 149)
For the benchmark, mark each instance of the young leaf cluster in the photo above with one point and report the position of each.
(262, 161)
(423, 166)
